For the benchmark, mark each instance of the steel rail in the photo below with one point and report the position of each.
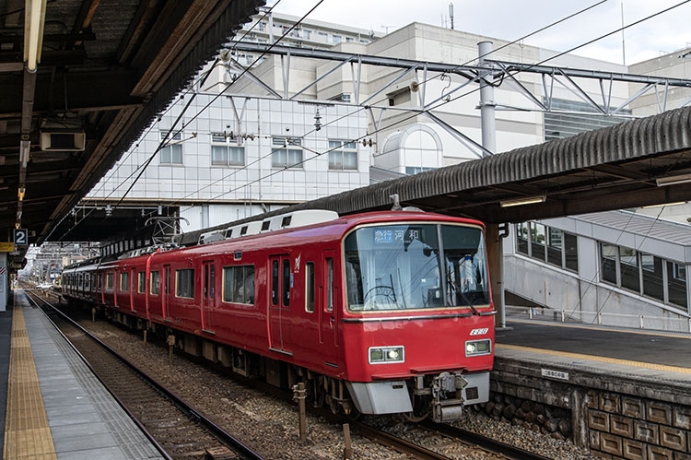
(500, 448)
(210, 426)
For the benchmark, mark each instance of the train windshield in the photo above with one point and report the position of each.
(414, 266)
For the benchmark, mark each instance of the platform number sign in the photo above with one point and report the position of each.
(21, 237)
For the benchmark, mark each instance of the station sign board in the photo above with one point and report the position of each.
(6, 246)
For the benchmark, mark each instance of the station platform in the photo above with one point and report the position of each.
(644, 355)
(56, 407)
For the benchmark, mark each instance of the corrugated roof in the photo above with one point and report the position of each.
(638, 224)
(602, 170)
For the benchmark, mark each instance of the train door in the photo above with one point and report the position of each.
(279, 302)
(328, 310)
(208, 292)
(167, 291)
(133, 287)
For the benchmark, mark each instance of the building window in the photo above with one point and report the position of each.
(571, 248)
(306, 34)
(676, 283)
(184, 283)
(225, 152)
(630, 276)
(635, 267)
(554, 246)
(342, 155)
(653, 285)
(238, 284)
(172, 152)
(522, 238)
(537, 240)
(547, 244)
(343, 97)
(608, 263)
(337, 39)
(287, 152)
(411, 170)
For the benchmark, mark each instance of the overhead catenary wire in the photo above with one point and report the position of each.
(171, 134)
(416, 114)
(444, 102)
(287, 32)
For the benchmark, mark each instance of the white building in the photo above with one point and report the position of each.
(238, 150)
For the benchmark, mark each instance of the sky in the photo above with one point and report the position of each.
(511, 19)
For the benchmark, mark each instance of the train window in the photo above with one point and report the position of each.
(109, 281)
(155, 283)
(309, 287)
(124, 281)
(274, 282)
(184, 283)
(141, 282)
(329, 284)
(238, 284)
(287, 282)
(400, 266)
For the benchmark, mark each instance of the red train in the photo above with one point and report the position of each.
(384, 312)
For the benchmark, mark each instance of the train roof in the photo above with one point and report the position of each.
(322, 231)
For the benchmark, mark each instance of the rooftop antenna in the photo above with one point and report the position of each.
(623, 40)
(451, 14)
(396, 202)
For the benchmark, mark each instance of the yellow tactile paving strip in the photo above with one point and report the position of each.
(601, 359)
(27, 434)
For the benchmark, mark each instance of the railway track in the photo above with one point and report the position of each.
(447, 438)
(178, 430)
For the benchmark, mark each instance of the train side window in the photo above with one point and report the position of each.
(329, 284)
(238, 284)
(309, 287)
(141, 282)
(287, 282)
(155, 283)
(109, 281)
(184, 283)
(274, 282)
(124, 281)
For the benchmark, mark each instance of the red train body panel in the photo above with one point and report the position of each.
(376, 300)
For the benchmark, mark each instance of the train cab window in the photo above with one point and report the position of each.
(109, 281)
(401, 266)
(124, 281)
(155, 283)
(287, 282)
(309, 287)
(238, 284)
(184, 283)
(141, 282)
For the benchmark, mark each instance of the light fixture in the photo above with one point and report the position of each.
(20, 193)
(24, 152)
(676, 203)
(523, 201)
(673, 180)
(34, 13)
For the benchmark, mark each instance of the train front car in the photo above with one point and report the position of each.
(418, 327)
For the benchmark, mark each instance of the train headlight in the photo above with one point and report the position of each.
(382, 355)
(478, 347)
